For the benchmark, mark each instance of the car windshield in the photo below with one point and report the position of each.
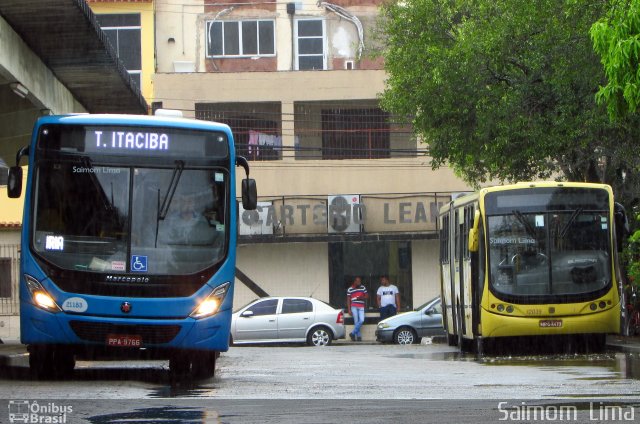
(424, 305)
(83, 212)
(550, 251)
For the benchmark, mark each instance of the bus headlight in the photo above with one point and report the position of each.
(41, 298)
(211, 304)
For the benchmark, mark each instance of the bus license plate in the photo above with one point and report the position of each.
(548, 323)
(124, 340)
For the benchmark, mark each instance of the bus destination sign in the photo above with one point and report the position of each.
(129, 140)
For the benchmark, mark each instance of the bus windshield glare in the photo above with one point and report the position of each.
(548, 242)
(107, 215)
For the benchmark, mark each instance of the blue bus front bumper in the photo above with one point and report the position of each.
(62, 328)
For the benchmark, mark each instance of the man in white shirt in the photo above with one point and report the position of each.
(388, 298)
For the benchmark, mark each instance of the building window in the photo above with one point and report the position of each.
(256, 126)
(355, 134)
(370, 261)
(5, 277)
(240, 38)
(310, 46)
(124, 33)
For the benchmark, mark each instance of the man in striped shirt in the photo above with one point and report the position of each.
(356, 299)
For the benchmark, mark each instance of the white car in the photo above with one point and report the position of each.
(287, 320)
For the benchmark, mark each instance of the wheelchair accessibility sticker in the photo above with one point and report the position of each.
(138, 263)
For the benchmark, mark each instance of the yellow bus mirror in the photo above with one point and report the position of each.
(473, 233)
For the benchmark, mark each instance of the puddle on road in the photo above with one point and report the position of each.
(605, 366)
(602, 366)
(157, 414)
(186, 389)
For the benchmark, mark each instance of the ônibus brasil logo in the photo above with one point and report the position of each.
(24, 411)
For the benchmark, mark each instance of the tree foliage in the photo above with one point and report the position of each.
(616, 38)
(505, 90)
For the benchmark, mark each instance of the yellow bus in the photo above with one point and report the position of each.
(531, 259)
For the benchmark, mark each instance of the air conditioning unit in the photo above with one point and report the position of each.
(343, 213)
(254, 222)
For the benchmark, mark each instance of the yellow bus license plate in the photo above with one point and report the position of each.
(551, 323)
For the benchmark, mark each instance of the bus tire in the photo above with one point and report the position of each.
(179, 365)
(63, 362)
(204, 364)
(41, 365)
(597, 343)
(50, 362)
(452, 339)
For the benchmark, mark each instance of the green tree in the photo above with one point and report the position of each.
(505, 90)
(616, 38)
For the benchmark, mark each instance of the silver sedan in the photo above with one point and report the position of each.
(287, 320)
(410, 327)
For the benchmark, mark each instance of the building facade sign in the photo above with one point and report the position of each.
(331, 214)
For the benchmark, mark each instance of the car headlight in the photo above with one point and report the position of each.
(211, 304)
(40, 297)
(383, 325)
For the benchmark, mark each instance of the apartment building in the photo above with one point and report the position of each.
(344, 187)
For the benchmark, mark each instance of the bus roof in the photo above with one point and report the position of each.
(469, 198)
(133, 120)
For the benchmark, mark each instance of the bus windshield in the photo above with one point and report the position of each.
(537, 248)
(125, 219)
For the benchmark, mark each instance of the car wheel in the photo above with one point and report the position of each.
(319, 336)
(405, 335)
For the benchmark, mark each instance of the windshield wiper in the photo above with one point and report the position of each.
(572, 218)
(162, 211)
(527, 226)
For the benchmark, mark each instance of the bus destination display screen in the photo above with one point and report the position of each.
(134, 141)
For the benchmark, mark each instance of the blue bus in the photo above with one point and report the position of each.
(128, 240)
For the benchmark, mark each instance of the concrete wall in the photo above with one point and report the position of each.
(425, 270)
(296, 269)
(179, 34)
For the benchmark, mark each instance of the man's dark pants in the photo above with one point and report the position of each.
(387, 311)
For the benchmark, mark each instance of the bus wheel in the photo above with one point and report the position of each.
(179, 365)
(47, 362)
(41, 363)
(596, 343)
(452, 339)
(64, 363)
(479, 346)
(204, 364)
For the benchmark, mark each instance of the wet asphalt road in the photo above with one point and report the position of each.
(368, 383)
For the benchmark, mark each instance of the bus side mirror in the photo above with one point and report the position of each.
(249, 189)
(14, 182)
(621, 225)
(249, 194)
(474, 233)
